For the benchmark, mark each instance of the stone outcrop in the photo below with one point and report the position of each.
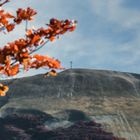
(108, 97)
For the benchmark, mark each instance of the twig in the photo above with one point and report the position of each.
(4, 2)
(26, 25)
(39, 47)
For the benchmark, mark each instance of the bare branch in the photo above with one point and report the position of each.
(39, 47)
(6, 1)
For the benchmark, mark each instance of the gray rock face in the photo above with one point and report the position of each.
(77, 82)
(109, 97)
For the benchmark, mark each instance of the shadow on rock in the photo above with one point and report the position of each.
(30, 125)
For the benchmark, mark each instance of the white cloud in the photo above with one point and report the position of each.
(114, 11)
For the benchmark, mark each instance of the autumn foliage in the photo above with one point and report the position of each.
(20, 54)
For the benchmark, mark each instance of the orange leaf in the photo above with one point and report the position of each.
(26, 63)
(50, 73)
(35, 39)
(29, 32)
(8, 15)
(52, 38)
(3, 90)
(11, 71)
(4, 21)
(2, 93)
(10, 27)
(24, 55)
(14, 70)
(72, 28)
(39, 57)
(1, 68)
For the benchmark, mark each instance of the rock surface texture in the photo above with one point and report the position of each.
(110, 98)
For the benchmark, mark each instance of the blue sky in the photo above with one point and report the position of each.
(107, 36)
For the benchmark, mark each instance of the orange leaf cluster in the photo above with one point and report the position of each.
(50, 73)
(19, 53)
(41, 61)
(55, 28)
(4, 20)
(22, 14)
(3, 90)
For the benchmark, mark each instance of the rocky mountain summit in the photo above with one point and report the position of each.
(110, 98)
(77, 82)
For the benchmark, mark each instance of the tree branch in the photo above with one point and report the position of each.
(1, 4)
(34, 50)
(39, 47)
